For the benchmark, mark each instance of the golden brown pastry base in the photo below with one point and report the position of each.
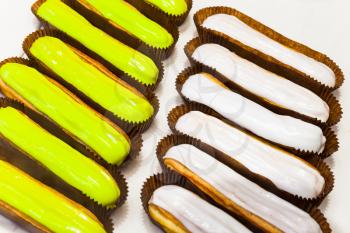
(10, 93)
(220, 198)
(168, 222)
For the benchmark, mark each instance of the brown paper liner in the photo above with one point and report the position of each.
(126, 125)
(144, 88)
(55, 129)
(157, 14)
(305, 203)
(24, 161)
(331, 144)
(102, 214)
(265, 60)
(335, 110)
(172, 178)
(106, 25)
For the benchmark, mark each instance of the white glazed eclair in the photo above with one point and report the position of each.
(263, 83)
(236, 193)
(179, 210)
(286, 171)
(284, 130)
(238, 30)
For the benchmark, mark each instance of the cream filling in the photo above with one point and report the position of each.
(273, 88)
(243, 192)
(197, 215)
(285, 130)
(286, 171)
(238, 30)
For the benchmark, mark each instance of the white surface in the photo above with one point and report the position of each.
(195, 215)
(282, 129)
(237, 29)
(245, 193)
(322, 24)
(261, 82)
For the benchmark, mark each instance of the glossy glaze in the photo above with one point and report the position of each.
(265, 84)
(243, 192)
(125, 58)
(132, 21)
(286, 171)
(197, 215)
(285, 130)
(43, 204)
(171, 7)
(77, 119)
(64, 161)
(116, 97)
(235, 28)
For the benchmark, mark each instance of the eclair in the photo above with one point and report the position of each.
(62, 160)
(125, 17)
(270, 87)
(285, 170)
(284, 130)
(178, 210)
(42, 94)
(238, 194)
(269, 48)
(92, 79)
(171, 7)
(42, 207)
(139, 66)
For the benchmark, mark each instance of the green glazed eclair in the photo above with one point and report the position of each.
(37, 91)
(65, 162)
(130, 61)
(171, 7)
(42, 207)
(127, 18)
(91, 79)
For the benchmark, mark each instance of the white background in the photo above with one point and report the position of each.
(321, 24)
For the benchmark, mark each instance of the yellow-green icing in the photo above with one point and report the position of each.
(127, 59)
(111, 95)
(134, 22)
(172, 7)
(74, 117)
(67, 163)
(43, 204)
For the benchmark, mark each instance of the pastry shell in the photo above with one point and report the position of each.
(31, 225)
(158, 15)
(171, 178)
(264, 60)
(305, 203)
(126, 125)
(122, 35)
(331, 144)
(335, 109)
(134, 138)
(144, 88)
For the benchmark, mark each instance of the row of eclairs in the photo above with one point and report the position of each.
(74, 112)
(247, 149)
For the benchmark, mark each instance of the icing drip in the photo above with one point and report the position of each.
(286, 171)
(273, 88)
(197, 215)
(284, 130)
(235, 28)
(243, 192)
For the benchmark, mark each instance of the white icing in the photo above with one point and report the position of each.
(243, 192)
(287, 172)
(235, 28)
(282, 129)
(197, 215)
(263, 83)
